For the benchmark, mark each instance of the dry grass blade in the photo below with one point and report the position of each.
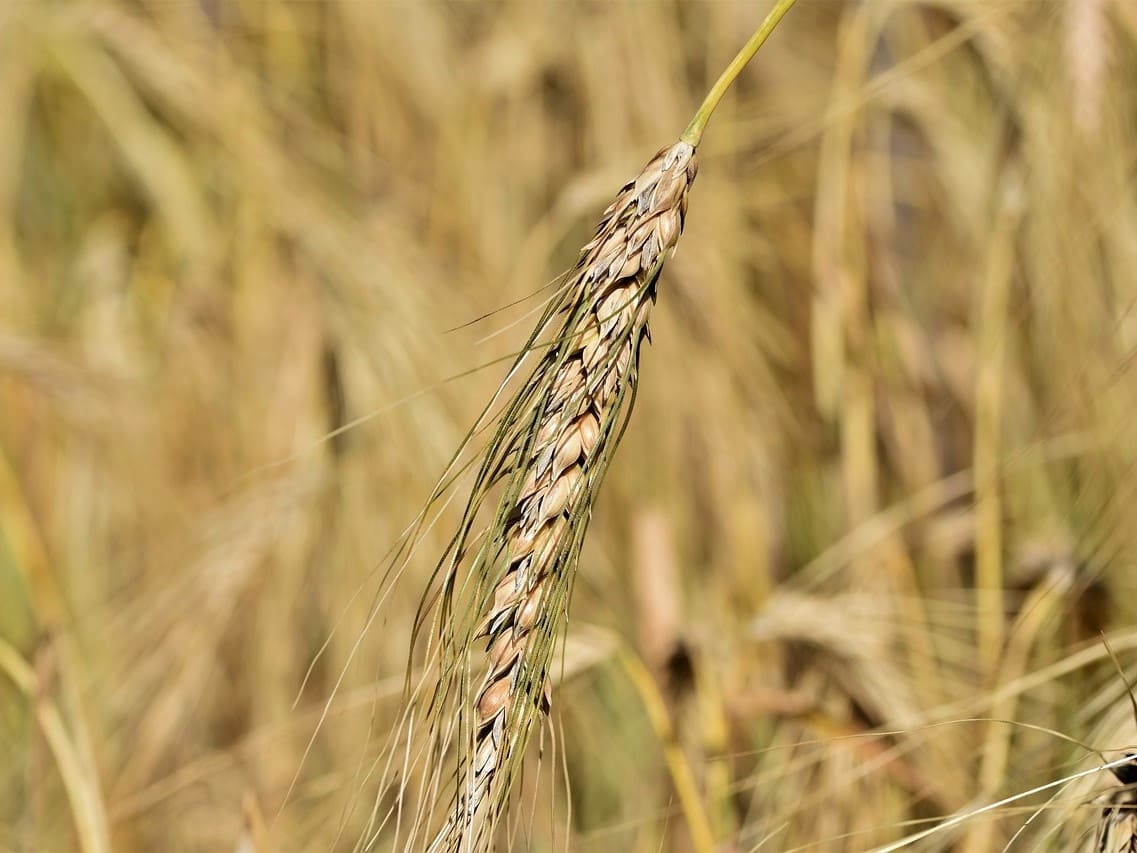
(548, 458)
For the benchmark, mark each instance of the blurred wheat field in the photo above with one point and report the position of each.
(872, 515)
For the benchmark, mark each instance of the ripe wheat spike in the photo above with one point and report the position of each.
(549, 455)
(509, 582)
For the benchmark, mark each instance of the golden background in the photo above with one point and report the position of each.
(876, 501)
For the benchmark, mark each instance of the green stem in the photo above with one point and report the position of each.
(682, 776)
(694, 132)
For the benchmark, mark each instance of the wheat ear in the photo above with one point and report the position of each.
(548, 457)
(562, 438)
(1117, 826)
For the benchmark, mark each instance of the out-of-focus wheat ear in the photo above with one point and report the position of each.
(1117, 826)
(1089, 50)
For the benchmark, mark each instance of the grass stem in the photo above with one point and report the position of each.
(694, 132)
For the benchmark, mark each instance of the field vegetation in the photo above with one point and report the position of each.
(262, 264)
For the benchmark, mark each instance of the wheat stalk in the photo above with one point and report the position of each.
(563, 428)
(546, 460)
